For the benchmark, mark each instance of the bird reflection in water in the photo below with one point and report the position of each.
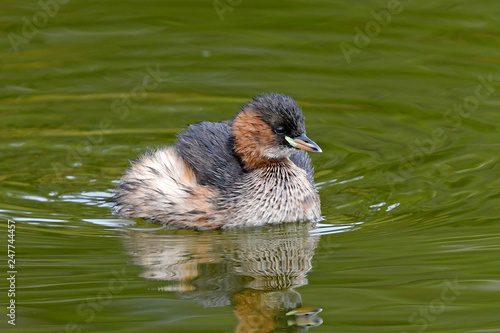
(254, 270)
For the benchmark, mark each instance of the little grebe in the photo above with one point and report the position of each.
(247, 172)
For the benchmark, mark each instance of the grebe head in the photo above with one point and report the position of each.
(270, 128)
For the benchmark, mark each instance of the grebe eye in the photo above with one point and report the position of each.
(279, 130)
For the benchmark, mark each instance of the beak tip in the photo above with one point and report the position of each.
(303, 142)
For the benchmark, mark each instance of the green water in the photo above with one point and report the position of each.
(407, 117)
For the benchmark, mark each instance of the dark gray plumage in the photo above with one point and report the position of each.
(278, 109)
(208, 149)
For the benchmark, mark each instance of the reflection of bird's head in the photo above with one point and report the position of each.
(270, 127)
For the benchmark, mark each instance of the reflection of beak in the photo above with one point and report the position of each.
(303, 142)
(304, 317)
(306, 311)
(308, 321)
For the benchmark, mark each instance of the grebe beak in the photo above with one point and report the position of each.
(303, 142)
